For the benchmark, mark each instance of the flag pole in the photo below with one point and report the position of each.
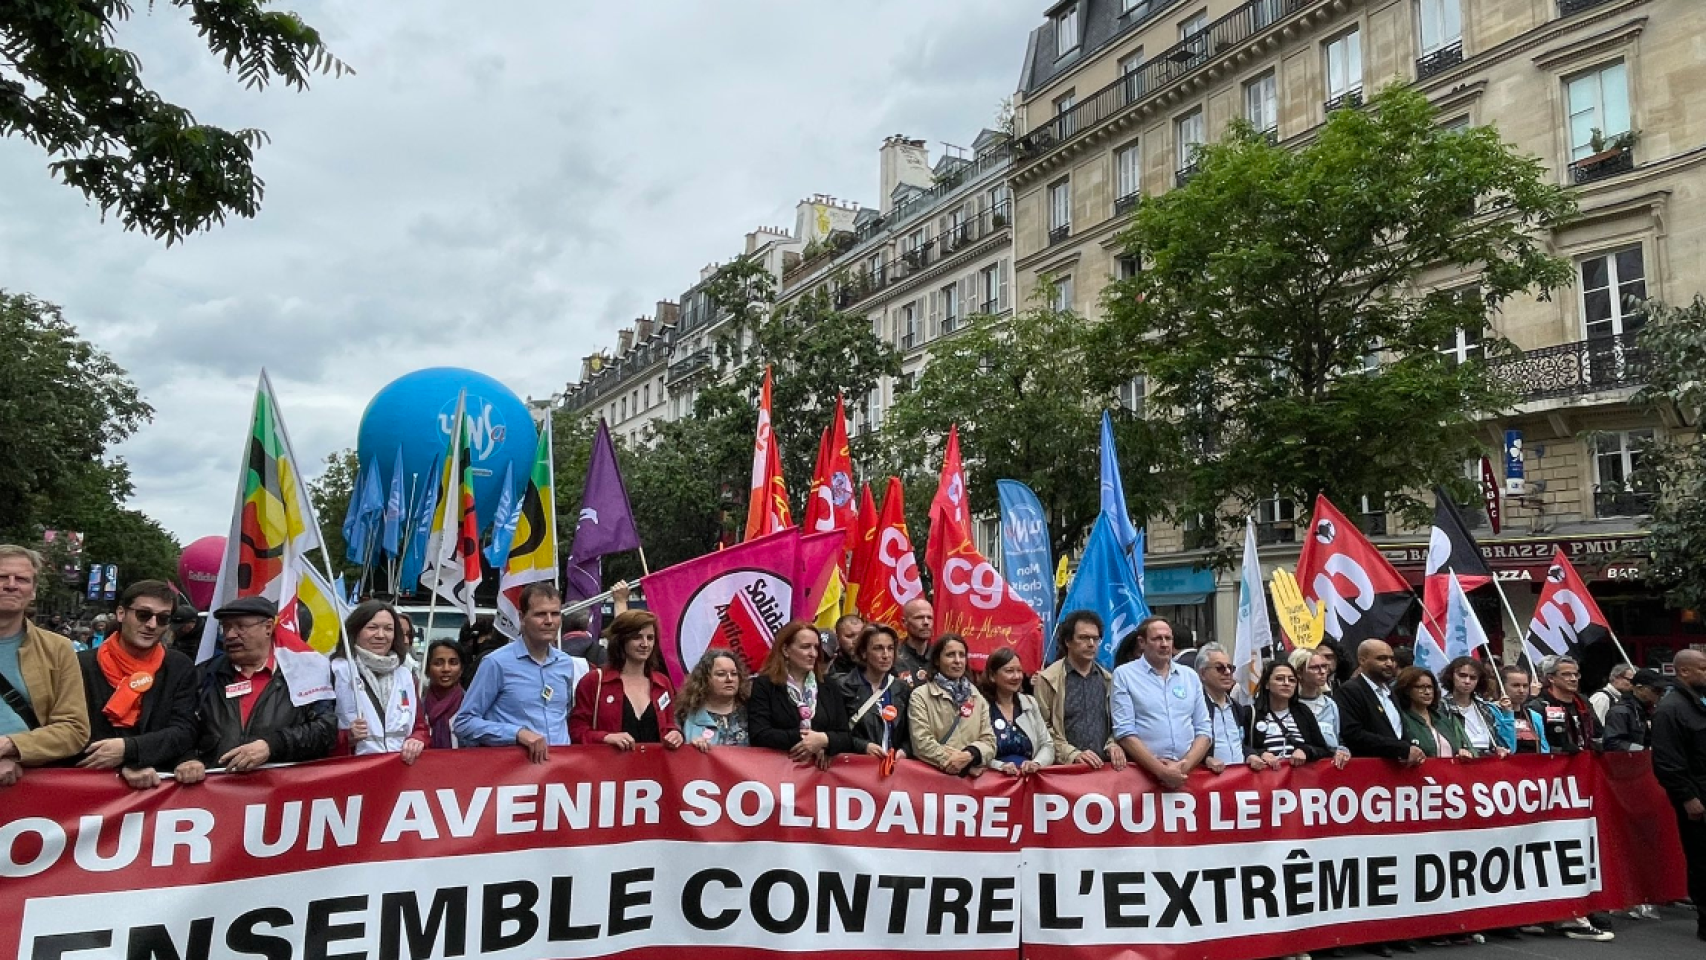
(453, 476)
(1486, 641)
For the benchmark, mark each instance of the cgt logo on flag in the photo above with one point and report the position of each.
(740, 610)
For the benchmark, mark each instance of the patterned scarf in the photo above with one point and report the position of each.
(958, 690)
(805, 699)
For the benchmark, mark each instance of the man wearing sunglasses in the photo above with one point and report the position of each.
(141, 693)
(1228, 720)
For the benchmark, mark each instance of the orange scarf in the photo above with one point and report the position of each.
(130, 677)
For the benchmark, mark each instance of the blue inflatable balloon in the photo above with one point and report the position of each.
(414, 412)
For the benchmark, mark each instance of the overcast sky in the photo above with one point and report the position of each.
(500, 186)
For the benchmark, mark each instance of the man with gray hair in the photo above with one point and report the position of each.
(1228, 720)
(1570, 724)
(1617, 688)
(44, 718)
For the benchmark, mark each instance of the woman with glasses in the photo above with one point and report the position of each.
(1314, 669)
(712, 706)
(1427, 724)
(1489, 730)
(1282, 730)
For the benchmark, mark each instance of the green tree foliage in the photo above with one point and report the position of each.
(330, 493)
(67, 87)
(1673, 343)
(92, 503)
(1285, 319)
(1027, 410)
(62, 404)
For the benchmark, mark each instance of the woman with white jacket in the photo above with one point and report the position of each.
(1022, 741)
(378, 687)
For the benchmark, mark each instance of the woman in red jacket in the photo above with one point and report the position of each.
(630, 699)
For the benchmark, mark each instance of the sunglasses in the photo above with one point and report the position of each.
(162, 617)
(1220, 667)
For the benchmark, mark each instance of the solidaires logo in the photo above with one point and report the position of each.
(740, 610)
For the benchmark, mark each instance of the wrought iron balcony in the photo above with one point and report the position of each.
(908, 341)
(990, 306)
(1161, 72)
(1276, 531)
(689, 365)
(1439, 61)
(1574, 369)
(1124, 204)
(1567, 7)
(1183, 176)
(1606, 163)
(1616, 500)
(1059, 233)
(950, 323)
(1349, 100)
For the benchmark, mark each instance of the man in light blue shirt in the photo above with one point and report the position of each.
(523, 690)
(1160, 714)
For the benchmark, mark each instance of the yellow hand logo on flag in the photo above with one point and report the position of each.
(1060, 577)
(1302, 623)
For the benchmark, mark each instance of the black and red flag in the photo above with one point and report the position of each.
(1566, 616)
(1451, 550)
(1347, 577)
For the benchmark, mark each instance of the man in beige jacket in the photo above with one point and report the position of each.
(43, 716)
(1073, 693)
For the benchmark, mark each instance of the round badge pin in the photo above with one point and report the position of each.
(1000, 724)
(140, 682)
(965, 709)
(889, 713)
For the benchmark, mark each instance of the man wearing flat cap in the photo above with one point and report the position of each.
(252, 713)
(1629, 722)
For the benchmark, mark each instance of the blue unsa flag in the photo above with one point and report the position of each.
(1026, 564)
(1105, 586)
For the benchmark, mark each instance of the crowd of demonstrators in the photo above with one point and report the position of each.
(1075, 695)
(791, 707)
(628, 702)
(378, 687)
(141, 694)
(877, 696)
(1679, 762)
(521, 693)
(949, 718)
(711, 710)
(1023, 744)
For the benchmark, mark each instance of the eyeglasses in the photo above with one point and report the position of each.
(1282, 678)
(162, 617)
(1220, 667)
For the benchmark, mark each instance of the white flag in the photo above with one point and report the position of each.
(1254, 634)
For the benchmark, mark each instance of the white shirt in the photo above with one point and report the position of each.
(1387, 704)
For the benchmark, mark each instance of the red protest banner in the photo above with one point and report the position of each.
(744, 853)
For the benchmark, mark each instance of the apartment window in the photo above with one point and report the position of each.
(646, 392)
(1130, 266)
(915, 240)
(874, 409)
(1127, 6)
(1059, 209)
(1614, 285)
(874, 265)
(997, 198)
(950, 299)
(1261, 102)
(1132, 394)
(1372, 518)
(1440, 23)
(1131, 62)
(992, 289)
(1066, 31)
(1195, 24)
(1128, 175)
(1063, 293)
(1617, 457)
(1462, 346)
(1599, 100)
(1276, 521)
(624, 408)
(1344, 66)
(1187, 136)
(1063, 105)
(909, 325)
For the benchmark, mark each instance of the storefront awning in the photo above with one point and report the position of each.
(1177, 586)
(1606, 557)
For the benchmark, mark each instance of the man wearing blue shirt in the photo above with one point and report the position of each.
(1160, 715)
(523, 690)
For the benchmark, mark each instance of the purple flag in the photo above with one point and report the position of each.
(606, 521)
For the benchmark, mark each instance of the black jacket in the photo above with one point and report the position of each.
(772, 719)
(166, 730)
(1309, 738)
(292, 733)
(869, 729)
(1628, 725)
(1679, 745)
(1570, 724)
(1363, 726)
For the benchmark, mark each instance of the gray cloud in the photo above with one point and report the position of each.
(495, 187)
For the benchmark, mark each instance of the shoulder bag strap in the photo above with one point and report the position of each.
(871, 701)
(19, 705)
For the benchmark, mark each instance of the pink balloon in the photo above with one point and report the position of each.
(198, 569)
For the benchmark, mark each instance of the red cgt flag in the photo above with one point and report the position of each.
(833, 504)
(863, 541)
(889, 579)
(972, 599)
(767, 506)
